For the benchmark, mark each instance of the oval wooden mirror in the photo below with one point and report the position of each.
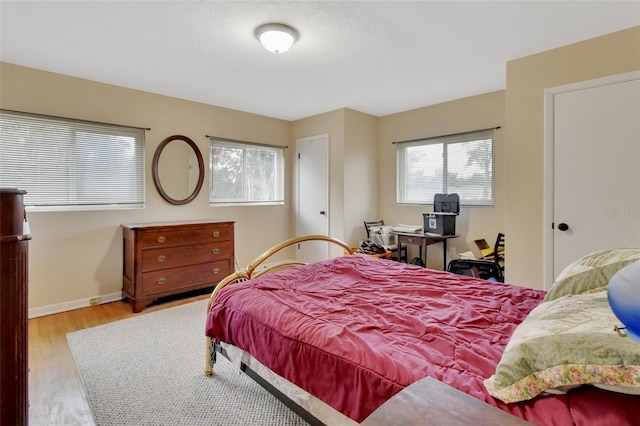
(178, 169)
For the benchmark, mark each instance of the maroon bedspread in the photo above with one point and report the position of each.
(354, 331)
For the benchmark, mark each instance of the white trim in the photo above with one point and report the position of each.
(548, 179)
(71, 305)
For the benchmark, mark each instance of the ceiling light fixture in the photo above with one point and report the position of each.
(276, 38)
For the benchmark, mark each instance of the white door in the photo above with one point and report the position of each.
(312, 195)
(596, 158)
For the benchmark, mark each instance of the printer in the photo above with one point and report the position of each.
(442, 221)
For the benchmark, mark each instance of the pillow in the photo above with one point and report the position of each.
(566, 343)
(592, 272)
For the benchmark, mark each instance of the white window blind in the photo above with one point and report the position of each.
(461, 163)
(245, 173)
(66, 164)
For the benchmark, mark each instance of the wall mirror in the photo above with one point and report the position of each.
(178, 169)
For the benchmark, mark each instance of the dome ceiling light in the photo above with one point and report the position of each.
(276, 38)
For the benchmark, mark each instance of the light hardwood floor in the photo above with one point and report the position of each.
(56, 395)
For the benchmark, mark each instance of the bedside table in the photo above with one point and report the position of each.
(431, 402)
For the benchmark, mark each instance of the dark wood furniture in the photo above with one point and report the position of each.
(431, 402)
(14, 270)
(167, 258)
(423, 240)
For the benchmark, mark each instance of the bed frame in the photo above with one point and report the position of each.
(251, 272)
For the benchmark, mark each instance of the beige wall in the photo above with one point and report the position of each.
(331, 123)
(352, 168)
(527, 78)
(473, 113)
(360, 174)
(78, 255)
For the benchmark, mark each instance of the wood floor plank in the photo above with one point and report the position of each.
(56, 395)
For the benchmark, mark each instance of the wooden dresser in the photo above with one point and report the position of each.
(14, 309)
(166, 258)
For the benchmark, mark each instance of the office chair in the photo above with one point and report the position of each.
(498, 252)
(393, 248)
(494, 254)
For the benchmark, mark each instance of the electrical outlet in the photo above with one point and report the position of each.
(94, 301)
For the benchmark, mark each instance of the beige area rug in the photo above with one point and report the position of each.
(149, 370)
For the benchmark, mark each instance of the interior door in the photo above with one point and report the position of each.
(596, 157)
(312, 196)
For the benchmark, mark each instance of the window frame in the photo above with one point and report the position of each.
(73, 139)
(445, 142)
(280, 167)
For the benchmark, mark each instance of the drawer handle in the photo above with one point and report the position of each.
(410, 240)
(216, 234)
(216, 271)
(161, 258)
(161, 239)
(216, 251)
(161, 281)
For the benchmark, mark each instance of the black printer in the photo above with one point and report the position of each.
(442, 221)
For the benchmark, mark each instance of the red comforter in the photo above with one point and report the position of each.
(354, 331)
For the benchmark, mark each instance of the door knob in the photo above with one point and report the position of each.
(563, 226)
(322, 212)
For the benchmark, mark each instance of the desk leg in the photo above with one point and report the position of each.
(444, 254)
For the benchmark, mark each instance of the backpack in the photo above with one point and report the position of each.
(476, 268)
(368, 246)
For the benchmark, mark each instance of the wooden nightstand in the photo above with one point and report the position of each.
(431, 402)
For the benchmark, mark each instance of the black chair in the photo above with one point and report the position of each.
(497, 256)
(494, 254)
(393, 248)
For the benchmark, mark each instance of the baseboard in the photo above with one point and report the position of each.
(74, 304)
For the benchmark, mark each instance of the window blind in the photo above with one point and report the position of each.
(460, 163)
(67, 164)
(245, 172)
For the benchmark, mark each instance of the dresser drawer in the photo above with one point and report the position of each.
(403, 239)
(170, 257)
(162, 238)
(169, 280)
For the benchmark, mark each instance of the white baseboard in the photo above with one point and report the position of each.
(73, 304)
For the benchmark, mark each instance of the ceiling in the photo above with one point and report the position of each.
(378, 57)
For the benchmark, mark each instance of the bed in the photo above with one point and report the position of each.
(338, 338)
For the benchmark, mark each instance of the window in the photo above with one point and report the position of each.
(66, 164)
(461, 164)
(245, 173)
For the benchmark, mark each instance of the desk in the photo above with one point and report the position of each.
(423, 240)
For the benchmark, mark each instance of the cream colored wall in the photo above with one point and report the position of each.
(75, 256)
(360, 174)
(352, 168)
(331, 123)
(473, 113)
(527, 78)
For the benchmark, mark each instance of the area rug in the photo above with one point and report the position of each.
(149, 370)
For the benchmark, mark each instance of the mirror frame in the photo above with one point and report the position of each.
(156, 172)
